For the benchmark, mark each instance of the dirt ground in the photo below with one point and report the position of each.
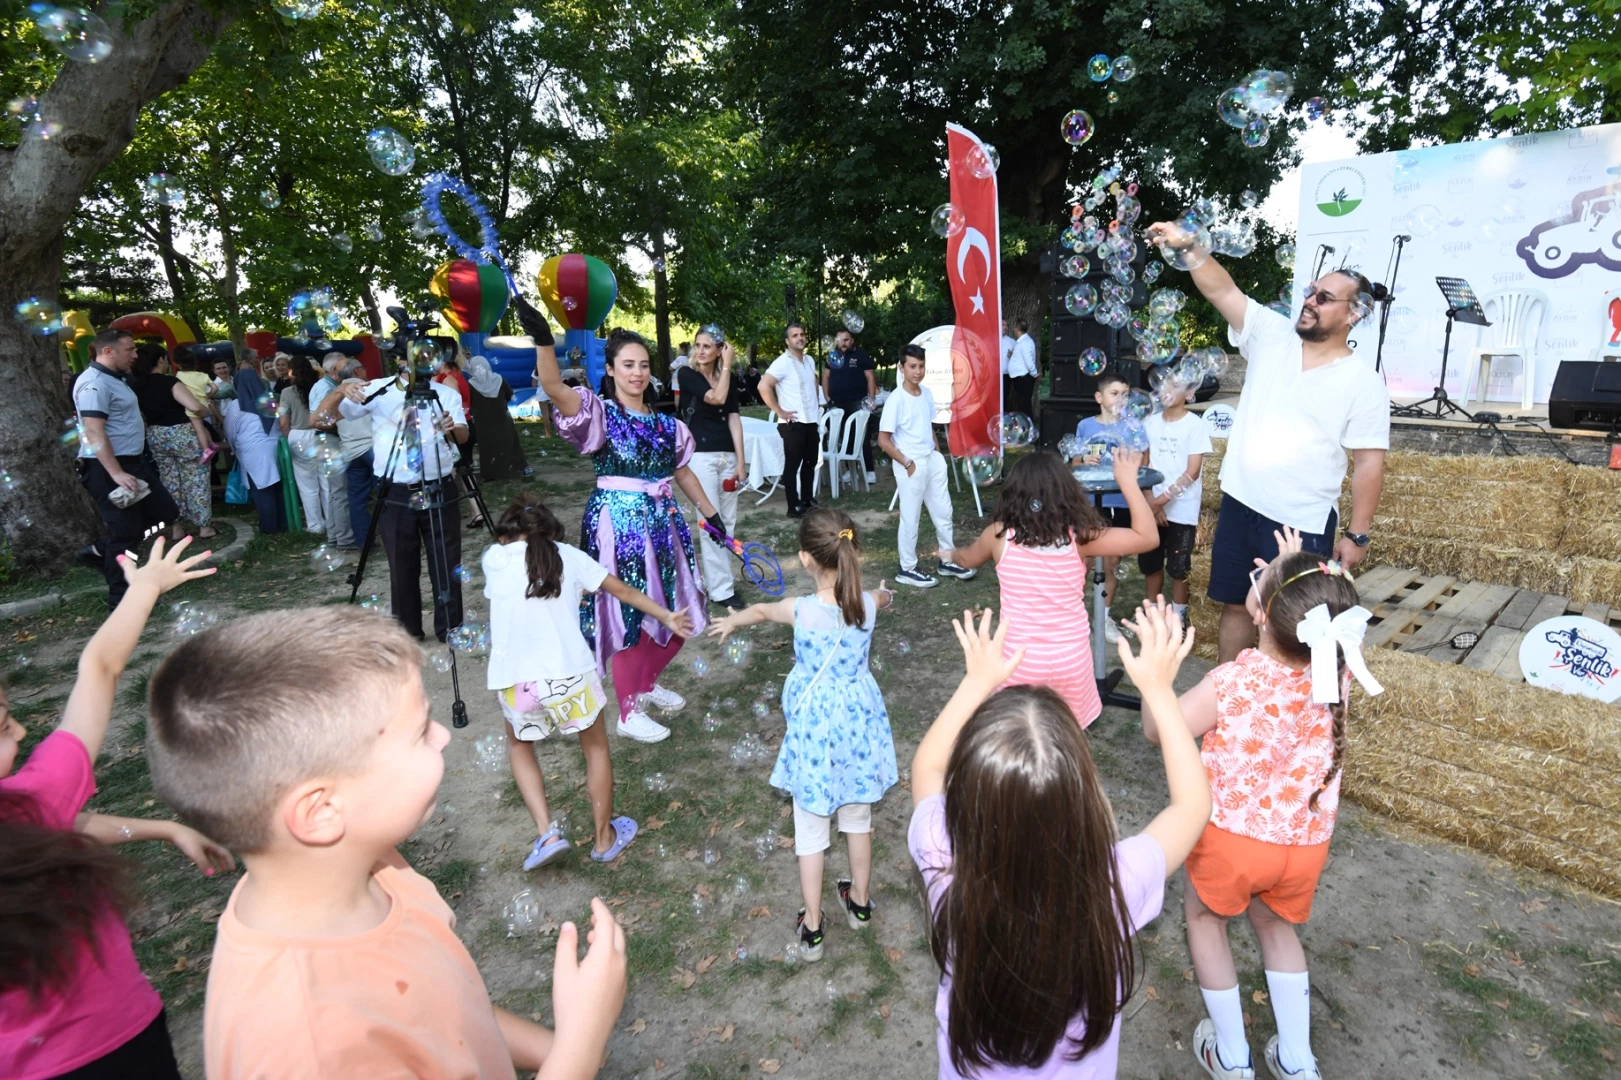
(1427, 960)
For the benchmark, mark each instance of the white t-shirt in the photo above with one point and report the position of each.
(909, 419)
(1023, 361)
(386, 413)
(1007, 352)
(1286, 454)
(1170, 443)
(796, 388)
(530, 638)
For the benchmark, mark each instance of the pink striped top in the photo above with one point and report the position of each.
(1044, 605)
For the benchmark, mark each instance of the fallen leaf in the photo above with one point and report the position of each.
(658, 1064)
(798, 1045)
(1533, 906)
(883, 1011)
(1502, 1004)
(893, 954)
(706, 963)
(761, 912)
(654, 823)
(769, 1066)
(726, 1033)
(179, 965)
(1472, 970)
(702, 890)
(739, 823)
(714, 828)
(1187, 974)
(786, 811)
(906, 785)
(690, 854)
(1613, 1019)
(1514, 958)
(638, 1026)
(1607, 1054)
(683, 978)
(785, 842)
(1259, 997)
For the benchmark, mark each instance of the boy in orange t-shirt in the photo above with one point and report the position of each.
(335, 958)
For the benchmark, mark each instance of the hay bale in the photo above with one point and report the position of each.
(1595, 581)
(1593, 509)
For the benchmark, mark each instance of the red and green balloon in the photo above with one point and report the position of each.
(474, 294)
(579, 289)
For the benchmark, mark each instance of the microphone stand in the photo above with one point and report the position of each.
(1390, 298)
(1323, 252)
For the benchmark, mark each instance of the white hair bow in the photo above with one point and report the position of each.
(1324, 636)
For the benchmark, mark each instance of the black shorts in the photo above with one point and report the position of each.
(1117, 516)
(1242, 536)
(1174, 554)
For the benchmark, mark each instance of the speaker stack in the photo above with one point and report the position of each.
(1586, 394)
(1072, 389)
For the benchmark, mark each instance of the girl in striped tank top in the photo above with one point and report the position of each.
(1041, 535)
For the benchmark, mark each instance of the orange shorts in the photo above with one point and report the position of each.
(1228, 870)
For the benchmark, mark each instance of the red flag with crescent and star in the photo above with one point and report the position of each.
(973, 263)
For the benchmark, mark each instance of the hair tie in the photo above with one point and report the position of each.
(847, 534)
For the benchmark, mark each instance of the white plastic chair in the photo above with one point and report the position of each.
(1516, 316)
(827, 444)
(848, 451)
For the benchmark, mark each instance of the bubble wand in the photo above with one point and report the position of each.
(760, 566)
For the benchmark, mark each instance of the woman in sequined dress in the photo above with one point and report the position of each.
(633, 525)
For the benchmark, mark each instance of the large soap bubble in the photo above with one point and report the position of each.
(1094, 360)
(1099, 68)
(390, 151)
(1268, 90)
(1077, 127)
(1256, 132)
(1285, 255)
(1233, 105)
(1187, 248)
(982, 470)
(1081, 299)
(1076, 266)
(1124, 68)
(76, 33)
(947, 220)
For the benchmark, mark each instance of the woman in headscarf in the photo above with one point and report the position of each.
(250, 425)
(500, 455)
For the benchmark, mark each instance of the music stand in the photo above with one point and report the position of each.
(1462, 306)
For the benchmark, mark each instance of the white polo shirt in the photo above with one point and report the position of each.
(796, 386)
(1007, 352)
(909, 419)
(1286, 456)
(386, 413)
(1023, 361)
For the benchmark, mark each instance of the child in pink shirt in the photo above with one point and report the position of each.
(71, 994)
(334, 958)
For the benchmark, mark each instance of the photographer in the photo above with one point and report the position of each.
(415, 492)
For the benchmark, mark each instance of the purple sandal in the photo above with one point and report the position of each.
(624, 832)
(548, 846)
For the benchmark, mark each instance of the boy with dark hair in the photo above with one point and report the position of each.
(1098, 439)
(334, 957)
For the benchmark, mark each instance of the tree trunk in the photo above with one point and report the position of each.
(45, 514)
(235, 326)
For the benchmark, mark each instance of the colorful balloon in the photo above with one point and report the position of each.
(474, 294)
(580, 290)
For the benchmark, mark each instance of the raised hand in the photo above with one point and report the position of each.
(165, 571)
(983, 651)
(1162, 645)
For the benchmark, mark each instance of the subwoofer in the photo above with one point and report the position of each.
(1586, 394)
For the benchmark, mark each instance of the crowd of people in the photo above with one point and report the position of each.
(334, 957)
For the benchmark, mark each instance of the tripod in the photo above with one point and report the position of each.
(429, 496)
(1462, 306)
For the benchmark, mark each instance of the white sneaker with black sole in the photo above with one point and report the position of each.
(961, 573)
(872, 478)
(916, 579)
(1111, 629)
(1209, 1058)
(668, 700)
(639, 726)
(1275, 1066)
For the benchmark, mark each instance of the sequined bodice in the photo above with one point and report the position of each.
(638, 445)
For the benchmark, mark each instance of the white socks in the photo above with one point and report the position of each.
(1181, 612)
(1226, 1011)
(1291, 1007)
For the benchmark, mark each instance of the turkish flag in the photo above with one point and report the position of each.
(974, 265)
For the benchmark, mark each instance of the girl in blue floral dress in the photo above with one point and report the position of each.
(838, 754)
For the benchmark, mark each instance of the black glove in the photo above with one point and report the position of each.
(533, 322)
(716, 523)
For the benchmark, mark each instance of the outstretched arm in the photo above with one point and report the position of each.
(988, 668)
(546, 370)
(1211, 278)
(780, 611)
(677, 621)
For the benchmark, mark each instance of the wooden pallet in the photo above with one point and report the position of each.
(1424, 614)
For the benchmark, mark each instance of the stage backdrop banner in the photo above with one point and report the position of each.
(973, 265)
(1539, 214)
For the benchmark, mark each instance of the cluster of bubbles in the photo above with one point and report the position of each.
(316, 313)
(656, 782)
(765, 844)
(1012, 430)
(391, 153)
(488, 754)
(74, 32)
(737, 651)
(1101, 69)
(30, 116)
(1249, 105)
(522, 913)
(328, 558)
(472, 638)
(750, 750)
(192, 618)
(39, 315)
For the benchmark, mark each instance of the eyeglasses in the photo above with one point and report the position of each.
(1312, 292)
(1255, 580)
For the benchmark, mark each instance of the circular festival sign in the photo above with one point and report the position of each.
(1574, 655)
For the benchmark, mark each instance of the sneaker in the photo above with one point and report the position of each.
(548, 846)
(1275, 1066)
(89, 557)
(731, 603)
(916, 579)
(1111, 629)
(872, 477)
(858, 915)
(810, 941)
(668, 700)
(642, 728)
(1204, 1051)
(961, 573)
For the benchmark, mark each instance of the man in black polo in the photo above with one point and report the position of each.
(112, 449)
(847, 381)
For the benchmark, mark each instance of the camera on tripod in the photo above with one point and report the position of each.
(413, 347)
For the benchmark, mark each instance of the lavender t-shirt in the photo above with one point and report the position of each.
(1142, 878)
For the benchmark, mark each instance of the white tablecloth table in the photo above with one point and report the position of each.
(763, 448)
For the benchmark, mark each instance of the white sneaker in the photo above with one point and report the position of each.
(1204, 1051)
(642, 728)
(1275, 1066)
(872, 477)
(668, 700)
(1111, 629)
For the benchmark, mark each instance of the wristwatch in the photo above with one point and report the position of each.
(1359, 539)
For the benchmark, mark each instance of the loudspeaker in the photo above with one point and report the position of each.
(1586, 393)
(1069, 381)
(1072, 336)
(1059, 415)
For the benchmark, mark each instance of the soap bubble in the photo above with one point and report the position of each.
(947, 220)
(831, 989)
(1247, 199)
(699, 904)
(472, 638)
(298, 9)
(1094, 360)
(1124, 68)
(740, 886)
(656, 782)
(269, 198)
(1126, 211)
(390, 151)
(76, 33)
(31, 118)
(982, 470)
(462, 573)
(1285, 255)
(1081, 299)
(710, 855)
(1113, 313)
(1423, 220)
(1280, 306)
(737, 651)
(164, 189)
(790, 953)
(1195, 249)
(327, 558)
(343, 242)
(439, 661)
(1076, 266)
(765, 844)
(1120, 571)
(1234, 106)
(983, 161)
(853, 322)
(1077, 127)
(39, 316)
(1268, 90)
(1316, 108)
(1099, 68)
(711, 722)
(417, 501)
(903, 647)
(1166, 302)
(760, 710)
(1012, 429)
(371, 232)
(1256, 132)
(488, 753)
(1151, 272)
(1136, 405)
(376, 603)
(191, 618)
(1072, 239)
(1113, 97)
(1234, 241)
(522, 913)
(700, 666)
(729, 705)
(1069, 447)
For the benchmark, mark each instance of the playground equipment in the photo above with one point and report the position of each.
(149, 324)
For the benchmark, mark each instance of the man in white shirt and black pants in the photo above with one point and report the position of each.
(1022, 370)
(406, 522)
(1007, 359)
(788, 389)
(906, 434)
(1307, 399)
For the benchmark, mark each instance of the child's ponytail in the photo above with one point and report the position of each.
(528, 519)
(829, 537)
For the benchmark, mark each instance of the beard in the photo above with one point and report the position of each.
(1315, 332)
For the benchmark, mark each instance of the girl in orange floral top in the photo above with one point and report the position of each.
(1273, 722)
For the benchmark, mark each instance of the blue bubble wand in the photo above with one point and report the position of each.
(760, 567)
(488, 250)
